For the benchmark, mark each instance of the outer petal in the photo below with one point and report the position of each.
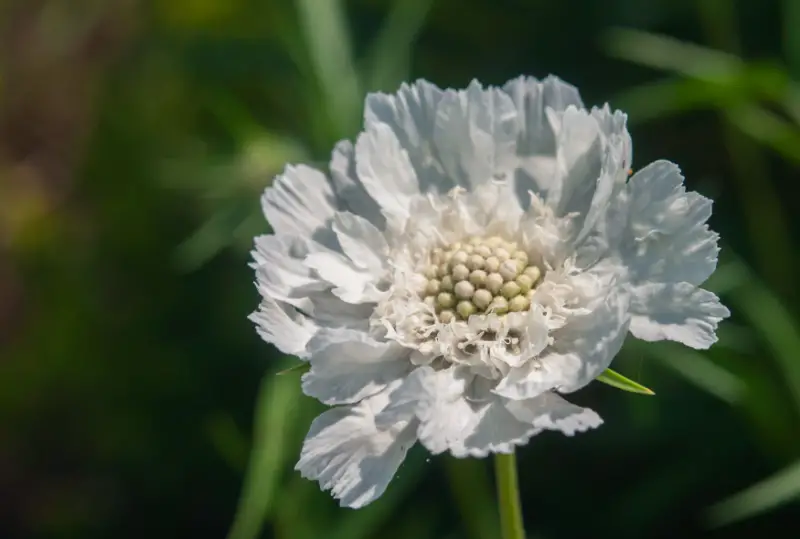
(536, 147)
(531, 99)
(582, 350)
(476, 135)
(552, 412)
(352, 284)
(593, 154)
(283, 326)
(411, 113)
(677, 312)
(299, 202)
(347, 366)
(361, 241)
(350, 456)
(283, 275)
(280, 270)
(456, 415)
(350, 191)
(386, 172)
(668, 239)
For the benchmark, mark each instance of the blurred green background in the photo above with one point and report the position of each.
(135, 139)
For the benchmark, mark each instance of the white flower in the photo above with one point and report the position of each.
(474, 254)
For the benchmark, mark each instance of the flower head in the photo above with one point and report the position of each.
(473, 256)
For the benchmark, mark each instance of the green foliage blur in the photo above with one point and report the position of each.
(136, 400)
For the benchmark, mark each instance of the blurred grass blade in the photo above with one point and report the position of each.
(776, 326)
(276, 407)
(615, 379)
(768, 494)
(666, 97)
(301, 368)
(791, 37)
(327, 39)
(389, 60)
(767, 128)
(471, 486)
(695, 368)
(670, 54)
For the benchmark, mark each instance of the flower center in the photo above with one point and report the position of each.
(479, 276)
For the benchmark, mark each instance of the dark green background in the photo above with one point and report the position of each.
(135, 140)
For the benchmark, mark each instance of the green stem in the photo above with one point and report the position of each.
(505, 467)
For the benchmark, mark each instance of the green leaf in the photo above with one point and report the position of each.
(696, 369)
(768, 494)
(615, 379)
(275, 412)
(390, 55)
(302, 368)
(326, 35)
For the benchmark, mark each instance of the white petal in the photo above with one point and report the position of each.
(537, 142)
(616, 161)
(299, 202)
(476, 135)
(582, 350)
(531, 98)
(677, 312)
(668, 238)
(551, 412)
(352, 284)
(350, 191)
(593, 151)
(361, 241)
(284, 276)
(347, 366)
(280, 269)
(385, 171)
(350, 456)
(454, 417)
(411, 113)
(283, 326)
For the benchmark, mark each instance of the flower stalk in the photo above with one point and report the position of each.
(508, 501)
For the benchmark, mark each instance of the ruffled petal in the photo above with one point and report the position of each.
(351, 193)
(386, 172)
(350, 456)
(668, 239)
(549, 411)
(351, 283)
(582, 350)
(411, 113)
(300, 202)
(457, 415)
(347, 366)
(677, 312)
(283, 326)
(361, 242)
(536, 146)
(280, 270)
(476, 135)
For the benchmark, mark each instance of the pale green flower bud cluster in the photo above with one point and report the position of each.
(479, 276)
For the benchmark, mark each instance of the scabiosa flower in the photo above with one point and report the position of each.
(475, 255)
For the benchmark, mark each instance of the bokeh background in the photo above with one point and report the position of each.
(135, 139)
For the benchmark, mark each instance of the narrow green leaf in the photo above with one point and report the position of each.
(765, 495)
(615, 379)
(327, 38)
(696, 369)
(390, 55)
(670, 54)
(301, 368)
(275, 410)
